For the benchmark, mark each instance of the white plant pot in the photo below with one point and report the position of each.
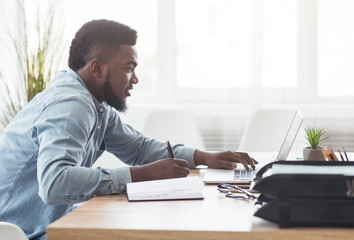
(313, 154)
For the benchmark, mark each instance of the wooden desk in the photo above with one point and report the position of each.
(215, 217)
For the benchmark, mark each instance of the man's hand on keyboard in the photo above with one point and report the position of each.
(226, 160)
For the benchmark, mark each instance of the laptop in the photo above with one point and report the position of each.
(242, 176)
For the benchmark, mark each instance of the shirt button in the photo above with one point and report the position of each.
(101, 110)
(121, 187)
(98, 127)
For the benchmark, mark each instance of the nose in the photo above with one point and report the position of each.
(134, 79)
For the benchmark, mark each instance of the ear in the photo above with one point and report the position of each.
(96, 68)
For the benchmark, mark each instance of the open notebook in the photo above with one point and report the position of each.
(242, 176)
(166, 189)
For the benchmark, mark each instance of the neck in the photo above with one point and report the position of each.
(91, 83)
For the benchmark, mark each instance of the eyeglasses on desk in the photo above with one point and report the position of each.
(229, 189)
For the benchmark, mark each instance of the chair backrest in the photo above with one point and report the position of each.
(265, 130)
(177, 126)
(10, 231)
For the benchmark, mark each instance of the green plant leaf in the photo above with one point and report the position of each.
(36, 61)
(315, 136)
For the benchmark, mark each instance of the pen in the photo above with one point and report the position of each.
(340, 154)
(332, 152)
(345, 153)
(327, 153)
(169, 150)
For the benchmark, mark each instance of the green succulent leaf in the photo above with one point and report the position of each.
(315, 136)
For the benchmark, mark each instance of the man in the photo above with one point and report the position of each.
(47, 151)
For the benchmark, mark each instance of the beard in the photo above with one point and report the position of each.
(112, 99)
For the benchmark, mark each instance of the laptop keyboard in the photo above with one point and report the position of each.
(244, 175)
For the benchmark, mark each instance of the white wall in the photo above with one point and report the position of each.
(229, 120)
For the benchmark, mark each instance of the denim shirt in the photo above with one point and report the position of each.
(47, 151)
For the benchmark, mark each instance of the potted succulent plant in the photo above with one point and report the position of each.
(315, 138)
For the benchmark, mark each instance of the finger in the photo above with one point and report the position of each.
(182, 171)
(245, 156)
(181, 162)
(185, 172)
(242, 161)
(234, 157)
(249, 160)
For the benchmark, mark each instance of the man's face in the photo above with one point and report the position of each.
(120, 77)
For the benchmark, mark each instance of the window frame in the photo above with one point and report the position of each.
(306, 91)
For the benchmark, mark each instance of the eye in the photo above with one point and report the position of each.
(130, 69)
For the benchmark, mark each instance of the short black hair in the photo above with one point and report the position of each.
(95, 35)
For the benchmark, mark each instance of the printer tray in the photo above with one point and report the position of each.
(308, 212)
(307, 185)
(321, 194)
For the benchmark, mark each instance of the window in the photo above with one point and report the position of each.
(236, 43)
(336, 48)
(279, 43)
(138, 14)
(214, 43)
(274, 51)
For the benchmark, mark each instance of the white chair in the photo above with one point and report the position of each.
(10, 231)
(265, 130)
(175, 125)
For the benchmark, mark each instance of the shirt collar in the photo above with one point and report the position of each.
(77, 77)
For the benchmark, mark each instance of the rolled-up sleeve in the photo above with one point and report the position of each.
(121, 177)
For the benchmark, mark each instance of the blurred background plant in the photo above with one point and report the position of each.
(35, 47)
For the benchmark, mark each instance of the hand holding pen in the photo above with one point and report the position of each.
(169, 150)
(161, 169)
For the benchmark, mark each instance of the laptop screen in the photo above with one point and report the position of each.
(290, 136)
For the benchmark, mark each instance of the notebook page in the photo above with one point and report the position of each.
(175, 188)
